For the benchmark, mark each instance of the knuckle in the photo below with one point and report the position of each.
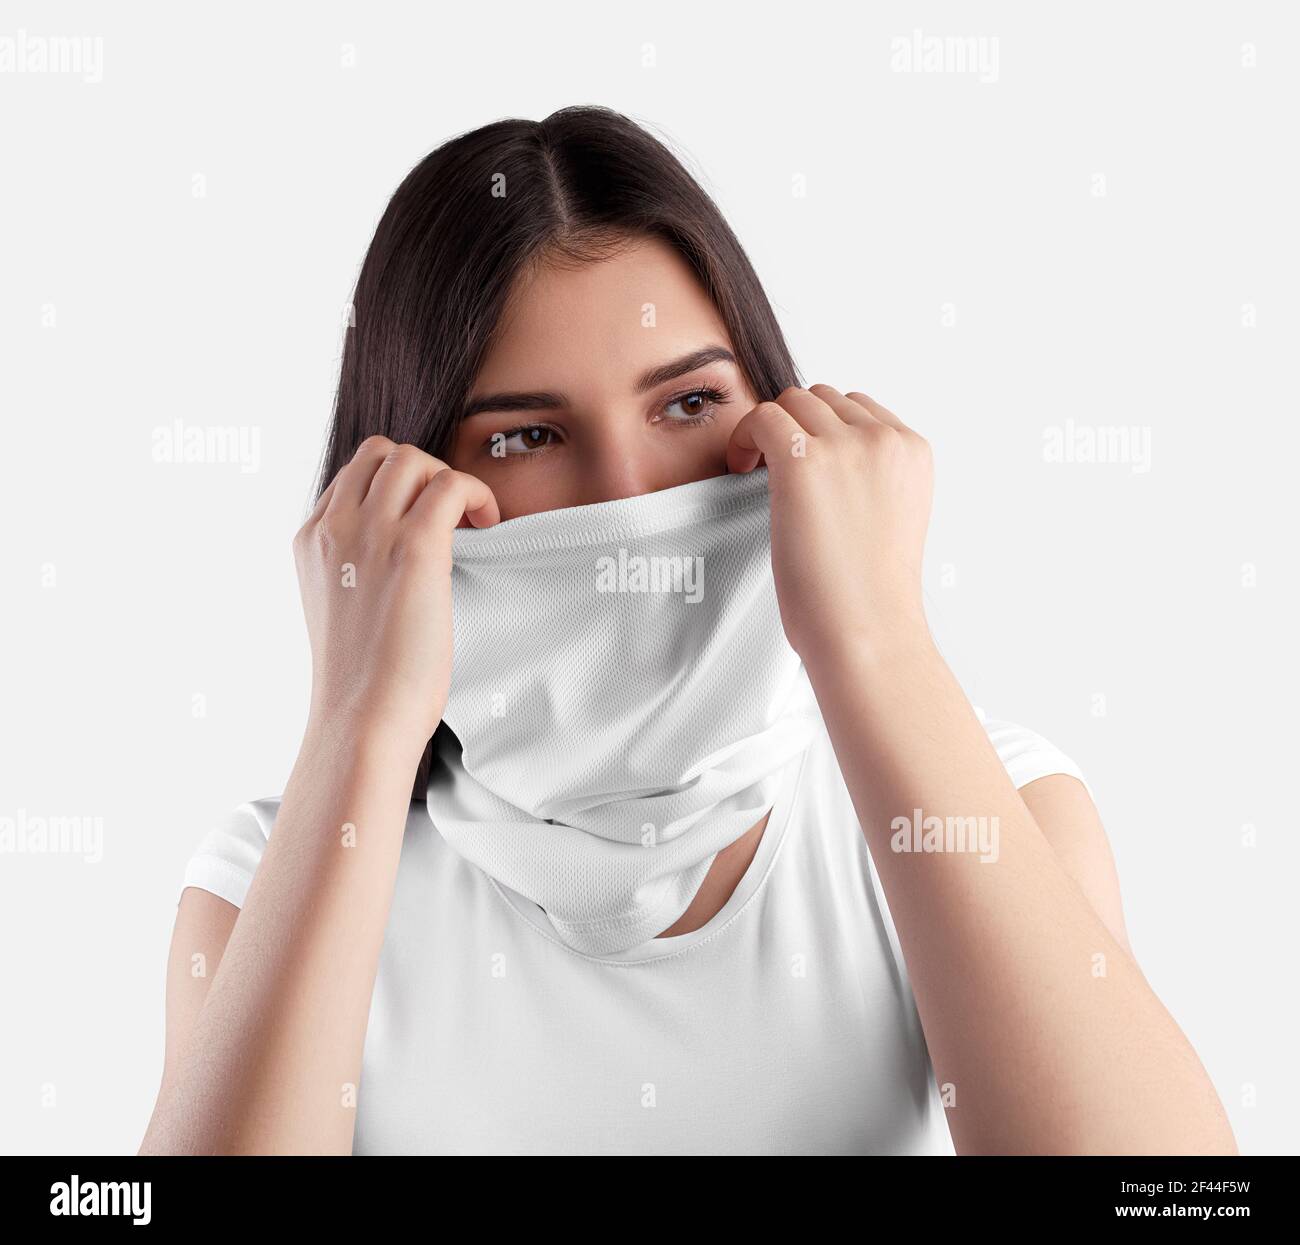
(327, 537)
(374, 443)
(407, 547)
(444, 481)
(880, 443)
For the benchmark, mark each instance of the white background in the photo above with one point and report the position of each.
(951, 256)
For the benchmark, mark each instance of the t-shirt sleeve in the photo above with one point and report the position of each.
(228, 855)
(1027, 755)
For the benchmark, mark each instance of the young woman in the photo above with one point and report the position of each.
(643, 619)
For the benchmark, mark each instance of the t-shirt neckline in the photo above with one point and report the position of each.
(746, 889)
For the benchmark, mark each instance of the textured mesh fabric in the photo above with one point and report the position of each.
(625, 699)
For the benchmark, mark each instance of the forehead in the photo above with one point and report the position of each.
(605, 319)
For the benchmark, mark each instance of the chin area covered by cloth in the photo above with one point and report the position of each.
(625, 699)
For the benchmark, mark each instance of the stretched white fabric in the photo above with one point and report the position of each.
(625, 699)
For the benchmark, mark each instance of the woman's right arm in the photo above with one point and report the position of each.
(268, 1059)
(271, 1061)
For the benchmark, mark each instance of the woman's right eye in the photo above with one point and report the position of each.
(525, 440)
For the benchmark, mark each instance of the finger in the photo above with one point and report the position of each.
(849, 411)
(451, 495)
(401, 478)
(353, 481)
(322, 502)
(768, 431)
(885, 416)
(809, 411)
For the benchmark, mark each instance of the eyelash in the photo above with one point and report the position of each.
(716, 397)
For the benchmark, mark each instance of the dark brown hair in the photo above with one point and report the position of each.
(489, 206)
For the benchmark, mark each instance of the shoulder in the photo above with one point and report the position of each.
(1027, 755)
(227, 856)
(229, 851)
(248, 822)
(1065, 812)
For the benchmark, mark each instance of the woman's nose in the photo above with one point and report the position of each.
(619, 468)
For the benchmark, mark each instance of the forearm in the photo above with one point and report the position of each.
(1048, 1052)
(274, 1058)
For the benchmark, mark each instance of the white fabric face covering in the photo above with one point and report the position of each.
(625, 699)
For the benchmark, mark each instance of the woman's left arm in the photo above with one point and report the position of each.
(1035, 1011)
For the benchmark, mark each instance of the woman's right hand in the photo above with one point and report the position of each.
(374, 568)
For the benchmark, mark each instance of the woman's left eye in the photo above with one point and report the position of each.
(528, 439)
(698, 405)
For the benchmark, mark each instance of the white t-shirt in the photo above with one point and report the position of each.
(785, 1025)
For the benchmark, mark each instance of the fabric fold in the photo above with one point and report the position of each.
(625, 700)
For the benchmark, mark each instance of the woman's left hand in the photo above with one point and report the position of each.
(850, 488)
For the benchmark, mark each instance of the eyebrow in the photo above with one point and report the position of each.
(549, 400)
